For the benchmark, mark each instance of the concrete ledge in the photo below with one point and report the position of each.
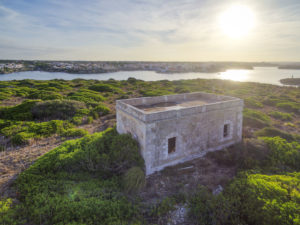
(215, 102)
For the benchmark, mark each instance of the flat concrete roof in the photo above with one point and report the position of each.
(150, 109)
(164, 106)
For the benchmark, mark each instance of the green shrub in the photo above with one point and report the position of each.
(57, 109)
(264, 199)
(289, 106)
(18, 112)
(45, 95)
(273, 132)
(86, 96)
(272, 101)
(283, 154)
(23, 132)
(22, 138)
(76, 182)
(105, 88)
(281, 115)
(75, 132)
(252, 103)
(208, 209)
(250, 199)
(134, 179)
(2, 148)
(154, 92)
(101, 110)
(90, 119)
(250, 113)
(7, 213)
(77, 120)
(23, 91)
(254, 122)
(254, 118)
(164, 207)
(5, 93)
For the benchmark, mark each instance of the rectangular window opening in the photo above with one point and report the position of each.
(226, 130)
(171, 145)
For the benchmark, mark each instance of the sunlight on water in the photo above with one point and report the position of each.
(235, 75)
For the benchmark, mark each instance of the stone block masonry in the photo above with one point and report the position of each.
(173, 129)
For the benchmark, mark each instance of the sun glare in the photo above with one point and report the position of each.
(237, 21)
(235, 75)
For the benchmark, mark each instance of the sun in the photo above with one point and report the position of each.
(237, 21)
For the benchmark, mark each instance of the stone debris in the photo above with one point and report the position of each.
(179, 215)
(218, 190)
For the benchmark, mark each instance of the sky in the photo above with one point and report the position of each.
(150, 30)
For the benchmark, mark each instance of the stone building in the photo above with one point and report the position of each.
(176, 128)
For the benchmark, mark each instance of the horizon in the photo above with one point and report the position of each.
(149, 31)
(158, 61)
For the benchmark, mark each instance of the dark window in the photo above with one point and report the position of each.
(171, 145)
(226, 130)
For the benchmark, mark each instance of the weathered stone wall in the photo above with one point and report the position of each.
(195, 136)
(198, 130)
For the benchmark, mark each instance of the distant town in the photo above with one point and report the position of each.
(90, 67)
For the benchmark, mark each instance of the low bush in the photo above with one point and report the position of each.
(22, 138)
(254, 118)
(23, 132)
(250, 113)
(78, 120)
(252, 103)
(7, 214)
(255, 199)
(281, 115)
(134, 179)
(19, 112)
(74, 132)
(273, 132)
(283, 155)
(164, 207)
(86, 96)
(289, 106)
(100, 110)
(157, 92)
(45, 95)
(57, 109)
(5, 93)
(105, 88)
(272, 101)
(79, 182)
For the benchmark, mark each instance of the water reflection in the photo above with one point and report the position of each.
(269, 75)
(235, 75)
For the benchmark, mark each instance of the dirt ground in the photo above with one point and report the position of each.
(185, 178)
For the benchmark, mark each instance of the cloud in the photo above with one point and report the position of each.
(141, 30)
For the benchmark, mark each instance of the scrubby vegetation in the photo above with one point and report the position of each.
(250, 199)
(97, 179)
(80, 182)
(47, 108)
